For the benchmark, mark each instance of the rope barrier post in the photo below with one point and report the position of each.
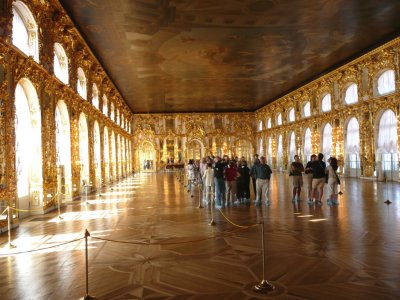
(10, 245)
(59, 209)
(200, 195)
(264, 286)
(212, 222)
(86, 191)
(87, 296)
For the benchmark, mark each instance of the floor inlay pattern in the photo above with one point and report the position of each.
(150, 241)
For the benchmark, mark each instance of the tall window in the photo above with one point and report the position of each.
(95, 98)
(292, 146)
(81, 84)
(326, 103)
(306, 109)
(105, 105)
(307, 144)
(260, 125)
(25, 30)
(386, 82)
(112, 111)
(269, 123)
(353, 143)
(351, 95)
(279, 151)
(117, 116)
(327, 141)
(279, 119)
(60, 63)
(270, 152)
(260, 147)
(291, 115)
(387, 140)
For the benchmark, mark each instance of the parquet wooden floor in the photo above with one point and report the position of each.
(343, 253)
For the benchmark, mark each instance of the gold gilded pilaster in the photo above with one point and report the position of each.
(75, 155)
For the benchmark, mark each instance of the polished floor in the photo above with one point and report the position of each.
(149, 240)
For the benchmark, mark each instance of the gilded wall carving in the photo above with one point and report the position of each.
(364, 72)
(54, 26)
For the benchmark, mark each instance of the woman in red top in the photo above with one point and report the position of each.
(230, 174)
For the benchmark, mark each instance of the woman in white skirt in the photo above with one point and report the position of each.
(333, 181)
(208, 181)
(190, 175)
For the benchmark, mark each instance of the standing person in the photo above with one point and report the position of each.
(219, 184)
(263, 175)
(208, 181)
(190, 174)
(243, 183)
(296, 170)
(308, 176)
(253, 174)
(318, 166)
(333, 181)
(231, 174)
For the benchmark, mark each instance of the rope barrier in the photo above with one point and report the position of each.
(25, 210)
(237, 225)
(168, 243)
(40, 249)
(4, 211)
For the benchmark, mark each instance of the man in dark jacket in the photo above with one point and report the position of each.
(318, 167)
(263, 175)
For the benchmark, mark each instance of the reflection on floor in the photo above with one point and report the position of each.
(346, 252)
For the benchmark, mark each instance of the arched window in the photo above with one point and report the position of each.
(105, 105)
(353, 143)
(260, 147)
(269, 123)
(353, 136)
(260, 125)
(386, 82)
(81, 84)
(270, 152)
(279, 119)
(291, 115)
(117, 116)
(25, 30)
(327, 141)
(306, 109)
(60, 63)
(279, 151)
(387, 140)
(292, 146)
(326, 103)
(307, 144)
(112, 111)
(387, 137)
(351, 95)
(95, 97)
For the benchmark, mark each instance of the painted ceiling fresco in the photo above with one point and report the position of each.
(225, 55)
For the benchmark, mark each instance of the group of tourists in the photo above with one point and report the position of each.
(228, 179)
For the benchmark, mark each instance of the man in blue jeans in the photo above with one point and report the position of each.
(219, 182)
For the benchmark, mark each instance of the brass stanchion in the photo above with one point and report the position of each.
(387, 201)
(87, 296)
(200, 197)
(58, 202)
(10, 245)
(212, 222)
(264, 286)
